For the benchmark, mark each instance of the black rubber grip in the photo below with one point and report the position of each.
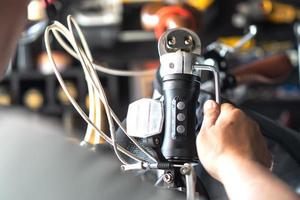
(180, 93)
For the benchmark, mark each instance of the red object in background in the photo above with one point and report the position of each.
(48, 2)
(179, 16)
(152, 64)
(268, 70)
(160, 17)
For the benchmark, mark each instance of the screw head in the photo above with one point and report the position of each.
(188, 40)
(171, 65)
(168, 178)
(172, 41)
(122, 168)
(185, 170)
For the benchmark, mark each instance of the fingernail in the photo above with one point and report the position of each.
(209, 104)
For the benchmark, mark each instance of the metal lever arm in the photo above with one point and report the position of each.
(252, 32)
(216, 79)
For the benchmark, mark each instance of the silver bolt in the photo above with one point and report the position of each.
(172, 41)
(180, 105)
(123, 168)
(156, 141)
(171, 65)
(188, 40)
(180, 129)
(185, 170)
(180, 117)
(168, 178)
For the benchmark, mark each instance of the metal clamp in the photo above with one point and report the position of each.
(179, 39)
(178, 49)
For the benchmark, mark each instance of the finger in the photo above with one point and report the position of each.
(211, 112)
(227, 107)
(228, 112)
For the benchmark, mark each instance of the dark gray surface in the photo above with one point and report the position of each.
(38, 163)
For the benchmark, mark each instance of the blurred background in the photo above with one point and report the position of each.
(263, 74)
(123, 35)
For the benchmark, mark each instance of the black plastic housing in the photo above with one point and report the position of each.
(180, 146)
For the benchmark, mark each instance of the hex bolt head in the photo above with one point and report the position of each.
(168, 178)
(172, 41)
(171, 65)
(188, 40)
(185, 170)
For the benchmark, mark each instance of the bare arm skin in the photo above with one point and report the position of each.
(12, 20)
(232, 149)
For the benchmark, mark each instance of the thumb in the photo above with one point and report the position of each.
(211, 113)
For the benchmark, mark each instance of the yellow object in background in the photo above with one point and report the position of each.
(232, 40)
(87, 102)
(200, 4)
(277, 46)
(94, 138)
(5, 100)
(140, 1)
(267, 6)
(62, 96)
(279, 12)
(33, 99)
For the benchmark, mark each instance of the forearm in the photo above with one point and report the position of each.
(247, 179)
(12, 20)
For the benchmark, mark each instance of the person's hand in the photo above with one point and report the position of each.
(227, 136)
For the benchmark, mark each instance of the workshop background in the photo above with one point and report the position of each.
(120, 34)
(262, 75)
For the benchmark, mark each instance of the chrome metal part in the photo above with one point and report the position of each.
(168, 178)
(131, 167)
(190, 176)
(178, 50)
(223, 49)
(179, 62)
(179, 39)
(145, 118)
(252, 32)
(216, 79)
(297, 34)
